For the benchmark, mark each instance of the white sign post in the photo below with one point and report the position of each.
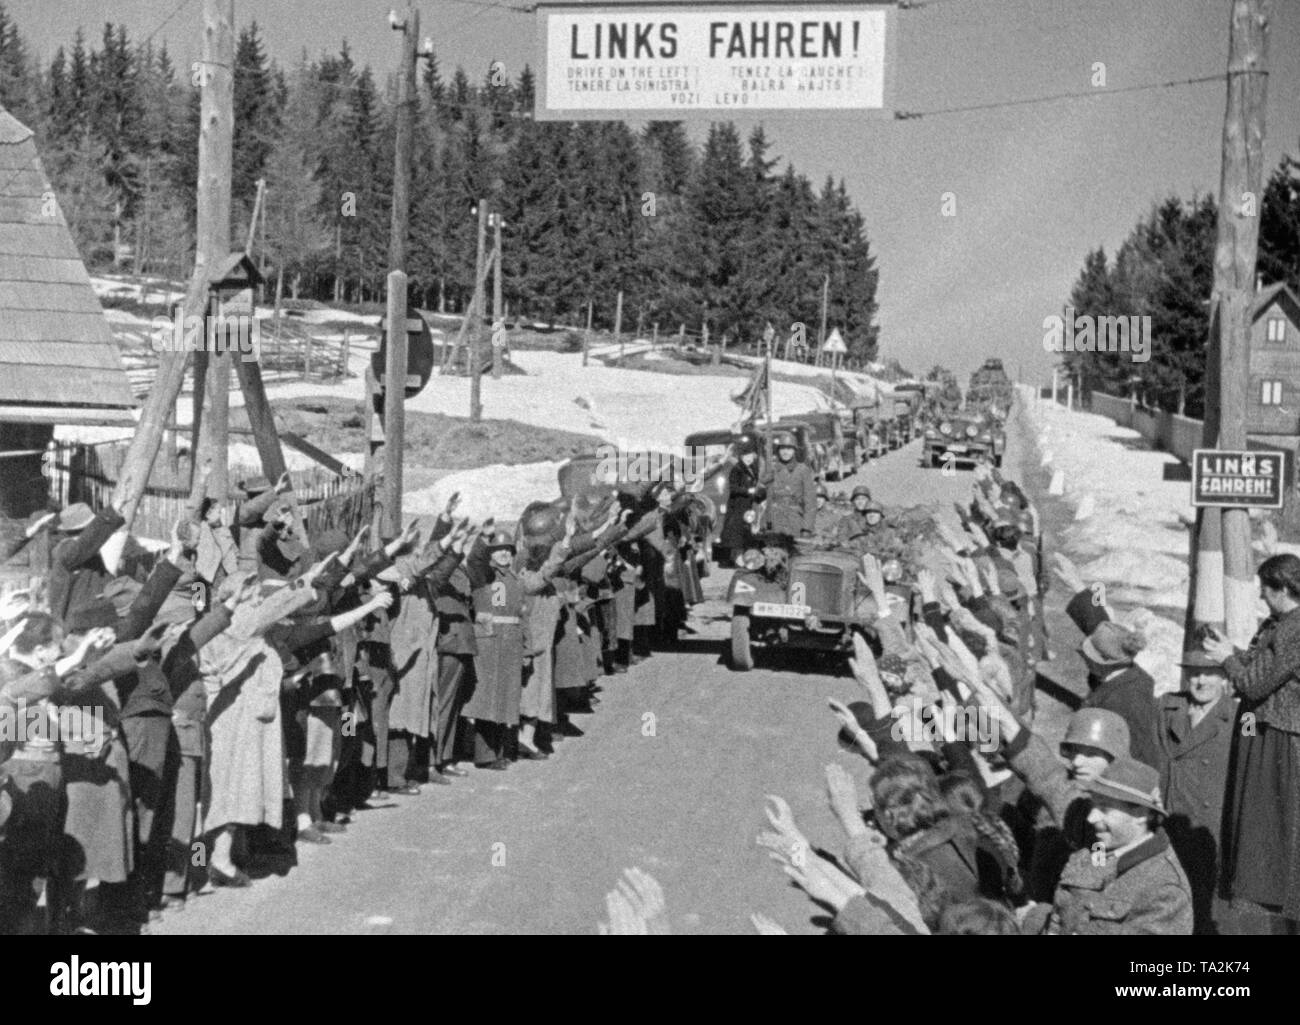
(609, 61)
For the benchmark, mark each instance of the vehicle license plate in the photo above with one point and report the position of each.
(776, 610)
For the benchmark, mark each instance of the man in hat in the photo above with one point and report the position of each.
(77, 572)
(1122, 686)
(1195, 732)
(265, 511)
(1130, 882)
(791, 491)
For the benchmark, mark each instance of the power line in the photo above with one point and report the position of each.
(162, 24)
(489, 5)
(913, 115)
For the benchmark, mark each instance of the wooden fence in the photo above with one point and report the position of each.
(79, 472)
(1168, 432)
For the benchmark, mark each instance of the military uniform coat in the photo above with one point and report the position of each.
(1194, 783)
(791, 498)
(499, 637)
(1143, 892)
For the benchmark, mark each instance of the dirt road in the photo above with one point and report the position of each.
(670, 777)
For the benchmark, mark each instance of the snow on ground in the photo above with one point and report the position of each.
(635, 408)
(1134, 540)
(500, 491)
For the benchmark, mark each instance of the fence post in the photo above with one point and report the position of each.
(343, 356)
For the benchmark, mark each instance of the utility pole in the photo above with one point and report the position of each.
(216, 145)
(476, 330)
(394, 404)
(498, 321)
(618, 322)
(1222, 541)
(389, 452)
(406, 102)
(821, 336)
(586, 338)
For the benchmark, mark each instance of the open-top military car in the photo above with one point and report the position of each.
(815, 602)
(967, 437)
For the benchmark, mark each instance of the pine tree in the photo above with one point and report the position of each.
(17, 82)
(1279, 226)
(257, 121)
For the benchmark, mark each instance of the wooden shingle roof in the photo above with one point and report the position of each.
(56, 347)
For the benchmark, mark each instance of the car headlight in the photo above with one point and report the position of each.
(985, 437)
(971, 431)
(752, 559)
(945, 428)
(930, 432)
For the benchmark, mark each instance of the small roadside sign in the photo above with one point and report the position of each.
(835, 343)
(1237, 479)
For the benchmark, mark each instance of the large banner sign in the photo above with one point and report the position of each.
(610, 61)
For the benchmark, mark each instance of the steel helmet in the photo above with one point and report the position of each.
(861, 491)
(784, 439)
(1099, 728)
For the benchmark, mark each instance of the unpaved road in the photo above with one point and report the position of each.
(670, 777)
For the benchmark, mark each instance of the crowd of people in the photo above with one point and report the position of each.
(166, 728)
(1155, 814)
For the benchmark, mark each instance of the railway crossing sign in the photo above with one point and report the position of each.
(835, 344)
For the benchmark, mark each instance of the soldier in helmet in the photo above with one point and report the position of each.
(827, 519)
(857, 527)
(791, 491)
(1094, 737)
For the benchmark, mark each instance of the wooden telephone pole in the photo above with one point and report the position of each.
(216, 143)
(476, 329)
(1222, 566)
(821, 335)
(498, 320)
(388, 453)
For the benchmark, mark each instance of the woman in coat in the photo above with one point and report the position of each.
(743, 493)
(1262, 818)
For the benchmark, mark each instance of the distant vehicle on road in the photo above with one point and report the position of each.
(968, 437)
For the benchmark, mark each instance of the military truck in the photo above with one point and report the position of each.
(990, 389)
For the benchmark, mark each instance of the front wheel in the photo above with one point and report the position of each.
(742, 653)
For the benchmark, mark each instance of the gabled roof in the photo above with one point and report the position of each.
(56, 347)
(1282, 295)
